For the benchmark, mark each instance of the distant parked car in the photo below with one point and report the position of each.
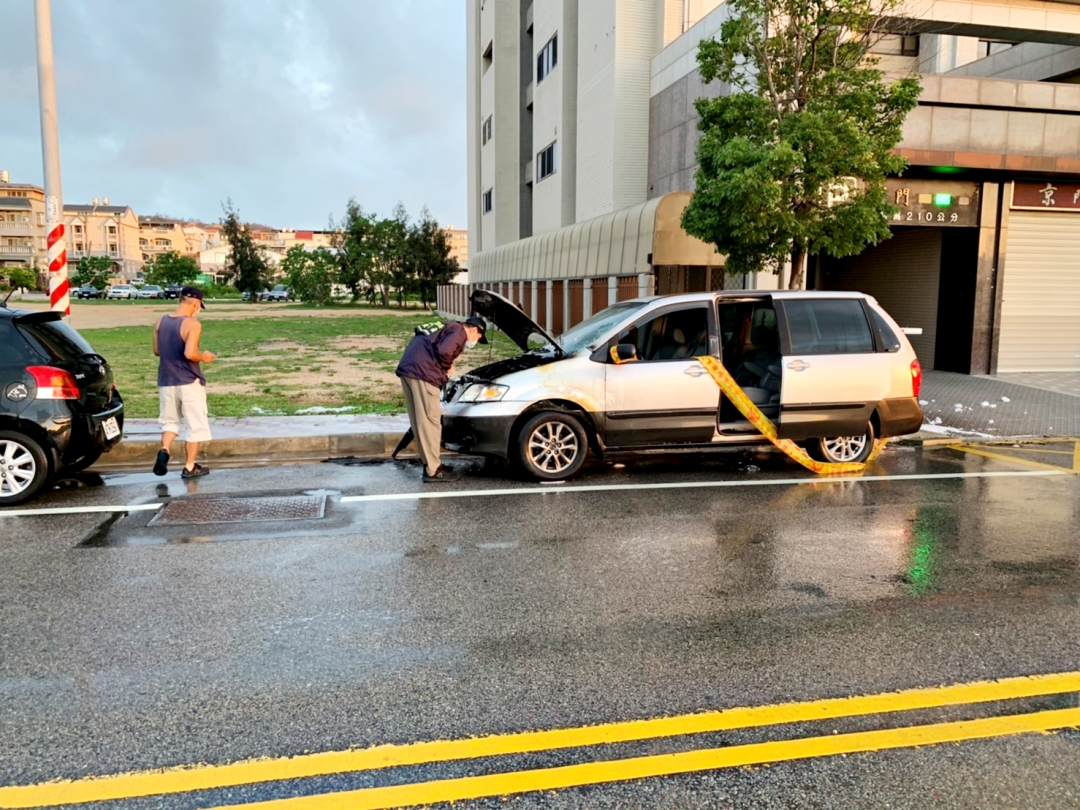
(123, 291)
(151, 291)
(88, 291)
(261, 296)
(281, 292)
(171, 291)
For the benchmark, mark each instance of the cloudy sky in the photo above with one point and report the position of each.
(289, 107)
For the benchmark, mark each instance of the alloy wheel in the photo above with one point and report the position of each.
(844, 449)
(18, 469)
(553, 447)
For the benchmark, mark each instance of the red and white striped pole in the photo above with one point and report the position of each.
(50, 150)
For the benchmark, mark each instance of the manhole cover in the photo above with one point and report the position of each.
(240, 510)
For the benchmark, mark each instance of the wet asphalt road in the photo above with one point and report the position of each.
(127, 646)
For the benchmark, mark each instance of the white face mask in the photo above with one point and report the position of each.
(469, 344)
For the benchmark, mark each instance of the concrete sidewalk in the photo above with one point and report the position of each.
(957, 408)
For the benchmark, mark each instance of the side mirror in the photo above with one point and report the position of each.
(624, 353)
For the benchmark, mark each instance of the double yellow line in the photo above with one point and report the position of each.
(209, 777)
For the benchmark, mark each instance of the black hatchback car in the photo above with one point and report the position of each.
(59, 407)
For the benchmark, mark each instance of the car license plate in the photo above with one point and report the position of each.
(111, 428)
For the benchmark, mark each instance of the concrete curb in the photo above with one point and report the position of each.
(138, 453)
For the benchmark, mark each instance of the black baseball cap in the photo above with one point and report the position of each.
(478, 322)
(193, 292)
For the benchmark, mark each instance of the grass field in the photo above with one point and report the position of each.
(273, 364)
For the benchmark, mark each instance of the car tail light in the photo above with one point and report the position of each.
(916, 378)
(53, 383)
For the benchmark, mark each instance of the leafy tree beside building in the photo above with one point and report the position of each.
(311, 273)
(19, 277)
(94, 270)
(245, 268)
(171, 268)
(793, 162)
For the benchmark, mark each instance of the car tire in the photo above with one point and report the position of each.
(24, 468)
(844, 449)
(552, 446)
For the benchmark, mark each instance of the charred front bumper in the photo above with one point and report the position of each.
(484, 429)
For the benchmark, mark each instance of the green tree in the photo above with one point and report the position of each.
(246, 268)
(794, 161)
(396, 276)
(20, 277)
(95, 270)
(429, 257)
(171, 268)
(311, 274)
(354, 242)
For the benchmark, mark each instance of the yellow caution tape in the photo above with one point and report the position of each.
(753, 414)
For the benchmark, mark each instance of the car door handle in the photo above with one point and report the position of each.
(694, 371)
(798, 365)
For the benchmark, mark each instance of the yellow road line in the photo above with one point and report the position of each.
(1076, 457)
(1040, 450)
(978, 451)
(205, 777)
(621, 770)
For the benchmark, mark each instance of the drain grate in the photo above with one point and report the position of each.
(240, 510)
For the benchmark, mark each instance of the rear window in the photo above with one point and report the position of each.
(888, 337)
(57, 339)
(828, 327)
(16, 350)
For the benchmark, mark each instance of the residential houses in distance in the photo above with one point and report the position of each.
(103, 229)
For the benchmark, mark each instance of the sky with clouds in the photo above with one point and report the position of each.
(289, 107)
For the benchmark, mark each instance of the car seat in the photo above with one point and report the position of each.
(675, 349)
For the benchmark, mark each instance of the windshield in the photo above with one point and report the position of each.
(588, 332)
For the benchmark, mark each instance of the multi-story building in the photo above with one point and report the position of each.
(159, 235)
(23, 236)
(576, 189)
(101, 229)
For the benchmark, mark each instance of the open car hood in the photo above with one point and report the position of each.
(512, 320)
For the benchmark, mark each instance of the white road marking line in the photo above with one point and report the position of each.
(480, 493)
(79, 510)
(767, 482)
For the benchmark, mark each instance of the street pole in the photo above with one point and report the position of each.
(50, 148)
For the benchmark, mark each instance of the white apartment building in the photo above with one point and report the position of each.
(582, 155)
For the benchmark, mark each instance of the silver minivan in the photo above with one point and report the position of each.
(832, 370)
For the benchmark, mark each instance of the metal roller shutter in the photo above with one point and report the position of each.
(902, 274)
(1040, 306)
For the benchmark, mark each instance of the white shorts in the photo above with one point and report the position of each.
(185, 404)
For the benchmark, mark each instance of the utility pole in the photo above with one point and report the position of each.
(50, 148)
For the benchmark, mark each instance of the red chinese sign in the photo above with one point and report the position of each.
(1046, 195)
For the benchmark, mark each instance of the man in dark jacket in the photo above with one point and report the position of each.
(424, 369)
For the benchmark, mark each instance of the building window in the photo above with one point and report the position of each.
(547, 58)
(545, 161)
(488, 200)
(909, 46)
(162, 243)
(485, 134)
(485, 62)
(78, 247)
(78, 230)
(112, 230)
(40, 219)
(112, 249)
(988, 47)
